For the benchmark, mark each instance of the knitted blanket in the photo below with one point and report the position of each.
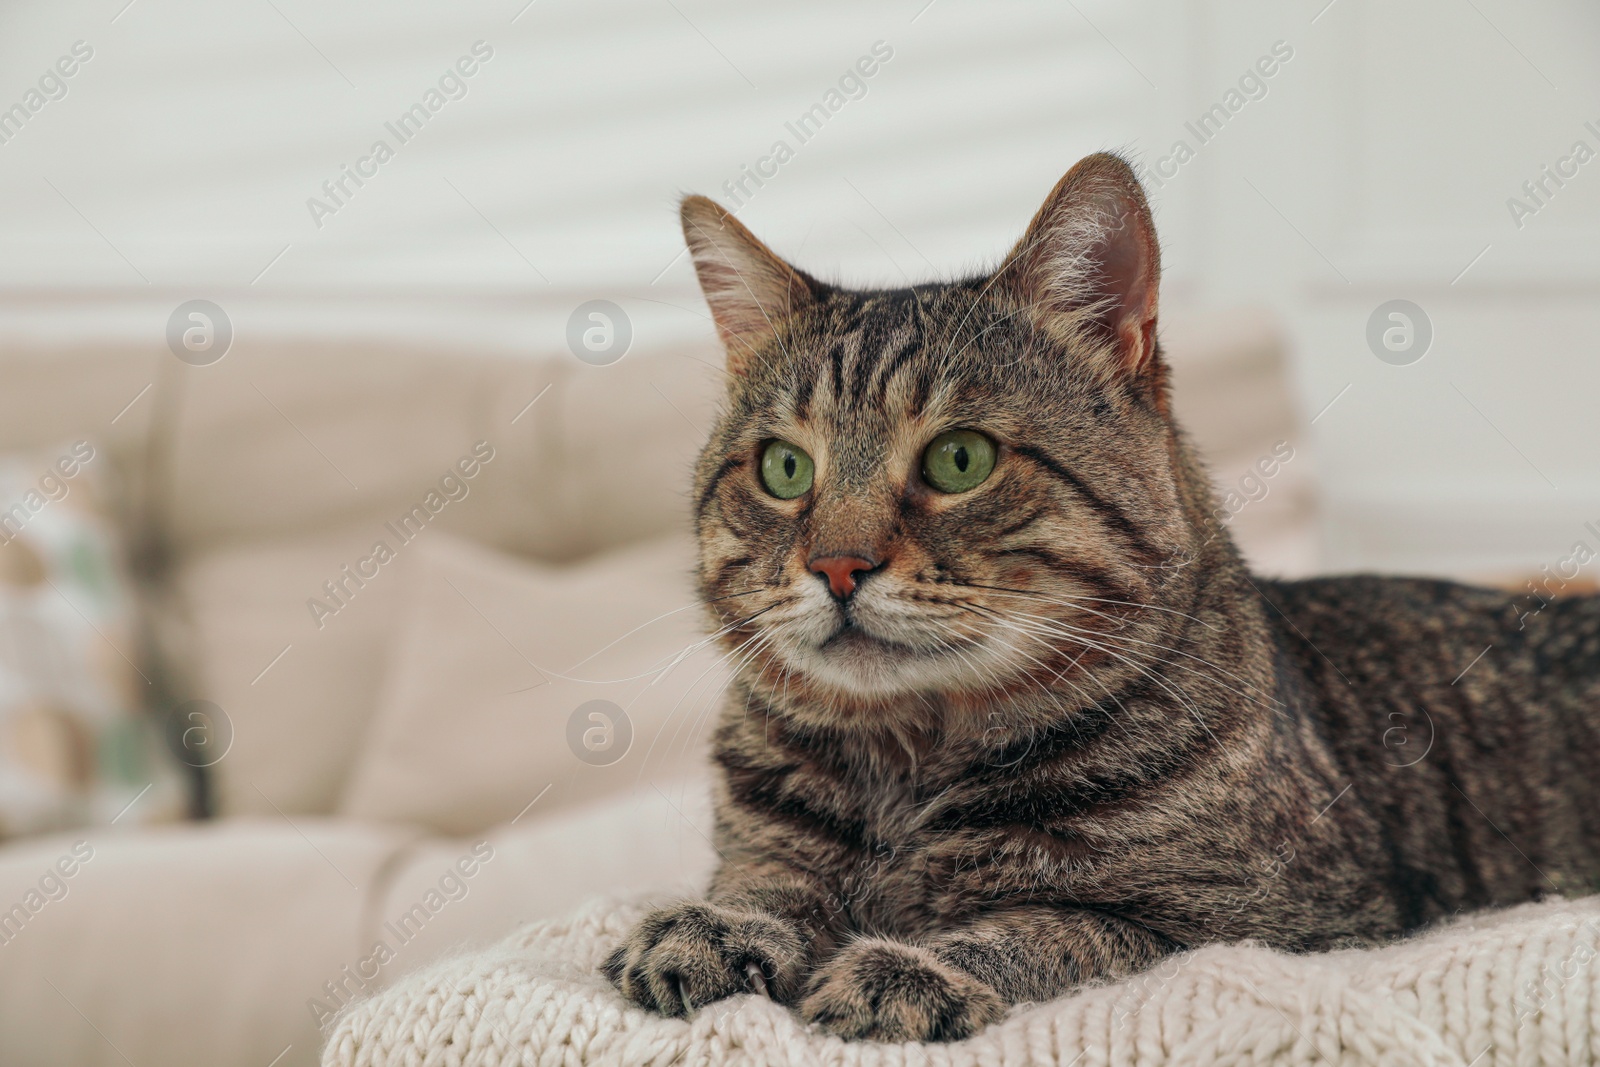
(1496, 989)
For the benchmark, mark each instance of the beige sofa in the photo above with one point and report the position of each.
(408, 767)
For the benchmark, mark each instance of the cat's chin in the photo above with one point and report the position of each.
(860, 663)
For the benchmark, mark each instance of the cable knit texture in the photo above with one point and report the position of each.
(1497, 989)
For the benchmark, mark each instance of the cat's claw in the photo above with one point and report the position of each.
(758, 980)
(683, 995)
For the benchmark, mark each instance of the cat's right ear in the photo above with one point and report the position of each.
(749, 289)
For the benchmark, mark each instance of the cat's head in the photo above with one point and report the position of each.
(950, 493)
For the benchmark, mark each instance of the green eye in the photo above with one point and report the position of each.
(957, 461)
(786, 471)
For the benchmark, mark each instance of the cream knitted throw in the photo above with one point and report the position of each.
(1515, 987)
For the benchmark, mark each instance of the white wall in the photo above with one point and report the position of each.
(196, 135)
(1382, 162)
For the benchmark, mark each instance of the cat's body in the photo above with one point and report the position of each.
(989, 741)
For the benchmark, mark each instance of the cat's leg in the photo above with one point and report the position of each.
(953, 984)
(754, 934)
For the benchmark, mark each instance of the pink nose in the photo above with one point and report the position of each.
(841, 572)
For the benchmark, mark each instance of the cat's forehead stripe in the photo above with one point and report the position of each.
(893, 361)
(872, 359)
(802, 397)
(867, 342)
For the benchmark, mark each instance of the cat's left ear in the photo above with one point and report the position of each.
(750, 290)
(1089, 267)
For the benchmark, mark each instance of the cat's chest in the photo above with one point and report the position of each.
(893, 883)
(890, 813)
(930, 854)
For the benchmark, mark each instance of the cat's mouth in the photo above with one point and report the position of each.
(883, 647)
(860, 659)
(864, 643)
(851, 637)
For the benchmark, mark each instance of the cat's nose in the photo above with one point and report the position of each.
(841, 572)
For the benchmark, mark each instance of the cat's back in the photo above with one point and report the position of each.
(1421, 632)
(1375, 627)
(1434, 685)
(1466, 720)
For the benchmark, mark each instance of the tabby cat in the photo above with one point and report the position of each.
(1010, 715)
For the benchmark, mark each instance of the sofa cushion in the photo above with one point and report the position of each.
(186, 946)
(96, 391)
(489, 702)
(628, 435)
(294, 689)
(284, 437)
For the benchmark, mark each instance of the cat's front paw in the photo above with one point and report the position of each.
(885, 991)
(685, 956)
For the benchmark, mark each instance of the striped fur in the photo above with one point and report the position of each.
(1070, 733)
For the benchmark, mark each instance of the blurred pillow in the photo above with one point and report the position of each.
(75, 747)
(519, 688)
